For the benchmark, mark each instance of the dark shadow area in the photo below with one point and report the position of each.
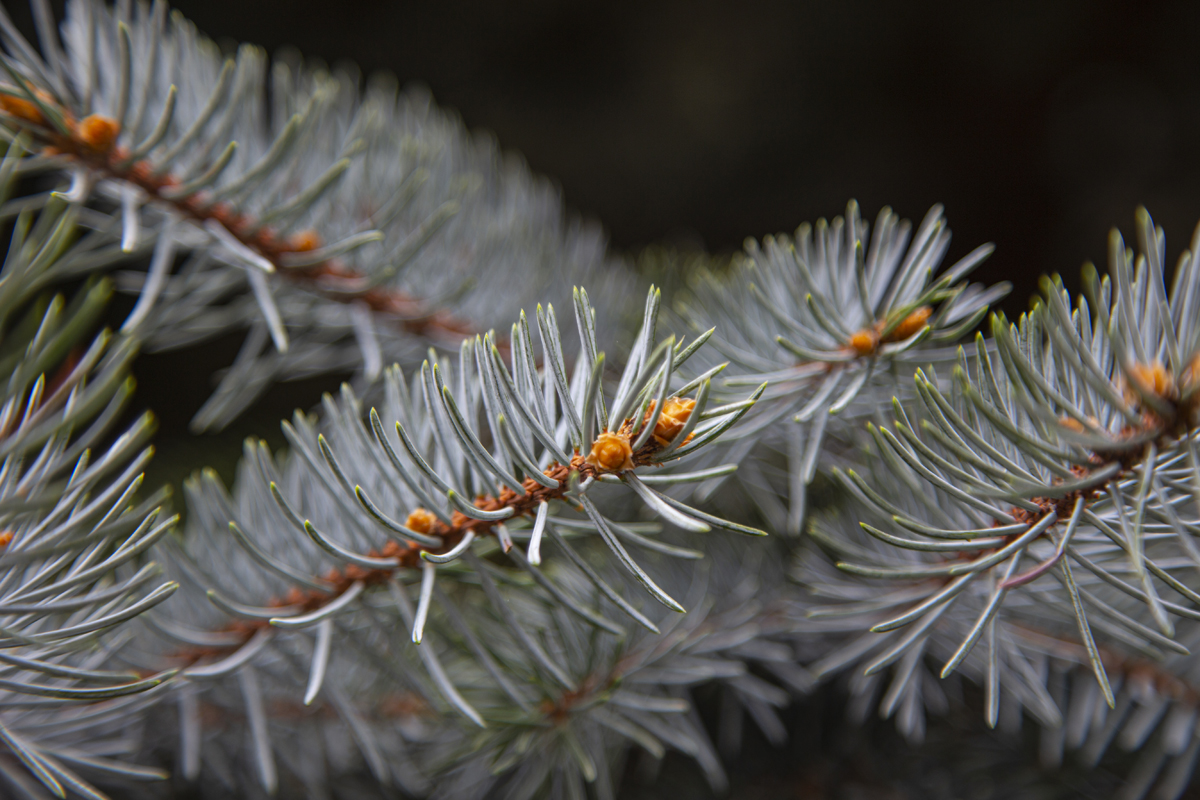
(831, 756)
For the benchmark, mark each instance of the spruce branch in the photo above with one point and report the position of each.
(483, 455)
(443, 604)
(829, 317)
(370, 202)
(73, 534)
(1043, 504)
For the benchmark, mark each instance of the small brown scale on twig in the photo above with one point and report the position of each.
(92, 142)
(558, 710)
(1062, 506)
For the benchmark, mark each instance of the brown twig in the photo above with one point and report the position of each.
(409, 555)
(92, 144)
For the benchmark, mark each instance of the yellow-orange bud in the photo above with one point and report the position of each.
(21, 108)
(611, 452)
(914, 322)
(1191, 374)
(420, 520)
(305, 241)
(675, 414)
(28, 110)
(98, 132)
(864, 342)
(1070, 423)
(1153, 378)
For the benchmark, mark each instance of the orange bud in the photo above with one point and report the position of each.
(420, 520)
(1191, 374)
(675, 414)
(864, 342)
(1153, 378)
(29, 111)
(5, 538)
(611, 453)
(911, 324)
(304, 241)
(98, 132)
(1071, 423)
(21, 108)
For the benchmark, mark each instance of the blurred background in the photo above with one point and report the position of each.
(696, 123)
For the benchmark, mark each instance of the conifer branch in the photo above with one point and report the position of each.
(73, 534)
(446, 576)
(827, 317)
(1044, 506)
(454, 477)
(329, 195)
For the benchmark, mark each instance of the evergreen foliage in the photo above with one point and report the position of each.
(512, 559)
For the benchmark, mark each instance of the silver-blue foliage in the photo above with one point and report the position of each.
(466, 576)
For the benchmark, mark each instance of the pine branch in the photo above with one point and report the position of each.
(1050, 496)
(455, 593)
(829, 317)
(73, 540)
(320, 546)
(372, 202)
